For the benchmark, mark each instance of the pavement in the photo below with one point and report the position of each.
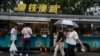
(51, 54)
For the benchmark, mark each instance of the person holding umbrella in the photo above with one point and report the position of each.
(71, 35)
(71, 39)
(59, 43)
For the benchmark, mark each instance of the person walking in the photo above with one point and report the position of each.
(59, 43)
(13, 37)
(27, 32)
(71, 39)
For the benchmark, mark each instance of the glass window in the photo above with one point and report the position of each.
(88, 29)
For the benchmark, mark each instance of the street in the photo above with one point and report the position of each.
(51, 54)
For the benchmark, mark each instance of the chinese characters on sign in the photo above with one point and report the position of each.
(21, 7)
(32, 7)
(54, 8)
(42, 8)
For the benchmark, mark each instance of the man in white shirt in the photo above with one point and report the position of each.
(71, 39)
(27, 32)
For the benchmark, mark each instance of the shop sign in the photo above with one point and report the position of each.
(42, 8)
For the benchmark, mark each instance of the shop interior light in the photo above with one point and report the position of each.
(20, 23)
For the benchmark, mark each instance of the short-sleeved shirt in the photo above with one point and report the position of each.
(13, 34)
(72, 37)
(27, 31)
(60, 35)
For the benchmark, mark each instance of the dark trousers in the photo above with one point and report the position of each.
(26, 46)
(70, 50)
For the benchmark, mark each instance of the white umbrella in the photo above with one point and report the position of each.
(65, 22)
(75, 25)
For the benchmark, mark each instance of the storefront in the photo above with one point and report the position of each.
(43, 28)
(40, 29)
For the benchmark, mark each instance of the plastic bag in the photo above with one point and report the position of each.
(13, 47)
(83, 49)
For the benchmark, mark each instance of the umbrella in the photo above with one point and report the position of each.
(75, 25)
(65, 22)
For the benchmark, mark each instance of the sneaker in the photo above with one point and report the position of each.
(20, 54)
(27, 55)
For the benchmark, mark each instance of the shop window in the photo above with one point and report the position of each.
(40, 28)
(88, 29)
